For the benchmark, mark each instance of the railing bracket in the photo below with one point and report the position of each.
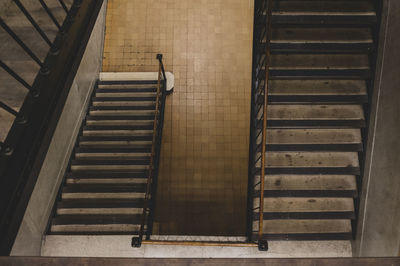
(7, 151)
(263, 245)
(136, 242)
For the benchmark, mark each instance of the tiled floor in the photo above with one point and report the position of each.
(207, 45)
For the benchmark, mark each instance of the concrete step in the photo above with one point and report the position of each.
(314, 140)
(301, 115)
(305, 208)
(305, 229)
(317, 91)
(311, 163)
(308, 185)
(324, 12)
(314, 39)
(319, 66)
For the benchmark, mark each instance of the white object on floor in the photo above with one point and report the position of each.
(117, 76)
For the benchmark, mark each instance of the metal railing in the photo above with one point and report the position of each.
(23, 151)
(259, 119)
(146, 226)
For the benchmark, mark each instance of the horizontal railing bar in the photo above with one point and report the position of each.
(8, 108)
(51, 15)
(15, 75)
(32, 21)
(20, 42)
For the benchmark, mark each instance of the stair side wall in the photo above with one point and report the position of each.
(32, 229)
(379, 218)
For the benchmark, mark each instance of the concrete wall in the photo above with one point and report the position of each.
(379, 223)
(29, 239)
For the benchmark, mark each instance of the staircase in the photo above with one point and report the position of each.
(320, 73)
(105, 186)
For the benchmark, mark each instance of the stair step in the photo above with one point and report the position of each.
(96, 229)
(106, 181)
(115, 144)
(140, 100)
(106, 174)
(318, 91)
(99, 211)
(126, 139)
(111, 167)
(311, 163)
(111, 156)
(117, 161)
(102, 196)
(122, 108)
(123, 150)
(117, 164)
(122, 113)
(315, 115)
(321, 39)
(100, 203)
(324, 12)
(116, 132)
(104, 188)
(110, 117)
(306, 66)
(119, 123)
(118, 127)
(96, 219)
(305, 208)
(126, 89)
(122, 103)
(131, 83)
(125, 94)
(308, 186)
(306, 229)
(314, 140)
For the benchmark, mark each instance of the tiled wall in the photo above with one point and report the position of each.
(207, 45)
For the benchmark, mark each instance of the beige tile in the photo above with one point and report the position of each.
(207, 45)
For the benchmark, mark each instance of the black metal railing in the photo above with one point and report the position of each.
(258, 119)
(24, 149)
(146, 226)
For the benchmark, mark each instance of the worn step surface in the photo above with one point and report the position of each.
(317, 185)
(306, 208)
(324, 12)
(314, 140)
(306, 229)
(315, 115)
(312, 39)
(313, 91)
(312, 163)
(319, 66)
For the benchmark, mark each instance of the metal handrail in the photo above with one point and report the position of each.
(265, 118)
(260, 86)
(23, 151)
(148, 207)
(24, 46)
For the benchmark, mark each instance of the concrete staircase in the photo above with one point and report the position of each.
(318, 97)
(104, 189)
